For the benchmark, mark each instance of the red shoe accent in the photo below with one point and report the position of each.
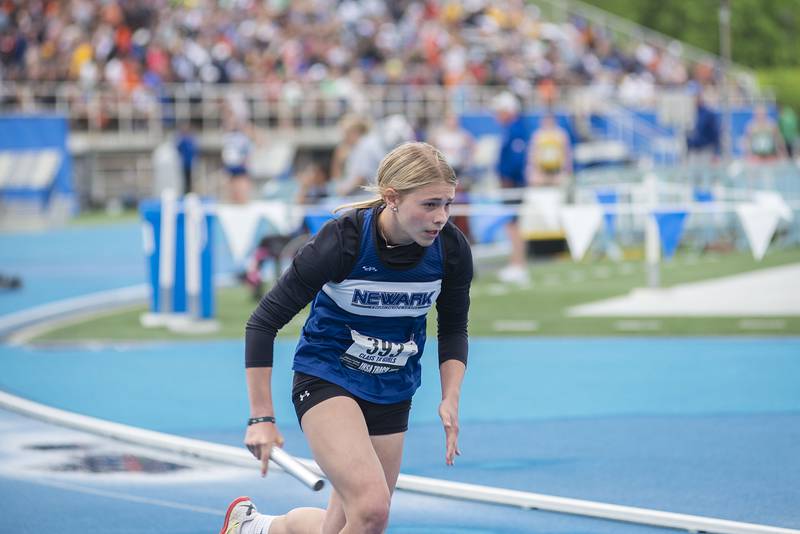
(228, 513)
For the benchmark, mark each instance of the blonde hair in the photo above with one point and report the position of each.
(407, 167)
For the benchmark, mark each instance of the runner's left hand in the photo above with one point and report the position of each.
(448, 411)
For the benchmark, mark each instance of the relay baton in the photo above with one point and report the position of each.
(291, 465)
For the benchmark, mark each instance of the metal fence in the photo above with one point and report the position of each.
(207, 107)
(704, 186)
(290, 105)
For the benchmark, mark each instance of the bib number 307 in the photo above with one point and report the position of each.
(377, 356)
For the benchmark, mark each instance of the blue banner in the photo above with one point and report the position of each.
(703, 195)
(670, 228)
(608, 197)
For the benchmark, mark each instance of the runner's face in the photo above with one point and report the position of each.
(422, 213)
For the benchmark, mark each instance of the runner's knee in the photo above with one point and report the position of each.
(371, 511)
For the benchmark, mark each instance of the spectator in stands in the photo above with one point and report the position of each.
(637, 89)
(455, 142)
(763, 139)
(787, 122)
(511, 165)
(352, 128)
(312, 184)
(362, 163)
(703, 142)
(457, 145)
(549, 155)
(187, 149)
(237, 145)
(288, 45)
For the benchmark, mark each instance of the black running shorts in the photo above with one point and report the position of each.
(381, 419)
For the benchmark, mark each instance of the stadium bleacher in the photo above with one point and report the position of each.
(138, 71)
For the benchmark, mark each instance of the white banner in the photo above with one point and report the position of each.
(239, 224)
(540, 209)
(283, 218)
(580, 225)
(759, 224)
(774, 201)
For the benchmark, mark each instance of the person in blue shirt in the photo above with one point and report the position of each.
(372, 274)
(187, 149)
(704, 139)
(511, 164)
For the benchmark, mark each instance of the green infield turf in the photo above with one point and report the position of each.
(103, 217)
(498, 309)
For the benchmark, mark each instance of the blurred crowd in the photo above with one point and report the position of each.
(139, 45)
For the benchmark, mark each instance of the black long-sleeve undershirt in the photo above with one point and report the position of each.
(330, 256)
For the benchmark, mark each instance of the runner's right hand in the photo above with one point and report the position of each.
(259, 440)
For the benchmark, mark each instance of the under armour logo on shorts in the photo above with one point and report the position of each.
(304, 395)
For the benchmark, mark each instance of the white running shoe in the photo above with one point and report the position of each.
(240, 511)
(513, 274)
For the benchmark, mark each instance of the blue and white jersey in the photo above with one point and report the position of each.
(236, 147)
(367, 332)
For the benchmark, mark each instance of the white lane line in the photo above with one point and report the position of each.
(551, 280)
(637, 325)
(15, 325)
(83, 304)
(25, 334)
(577, 276)
(512, 325)
(601, 272)
(120, 496)
(762, 324)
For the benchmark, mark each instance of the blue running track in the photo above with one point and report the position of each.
(704, 426)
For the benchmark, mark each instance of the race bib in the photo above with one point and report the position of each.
(377, 356)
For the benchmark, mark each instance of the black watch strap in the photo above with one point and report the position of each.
(265, 419)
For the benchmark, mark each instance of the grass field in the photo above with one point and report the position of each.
(102, 218)
(507, 310)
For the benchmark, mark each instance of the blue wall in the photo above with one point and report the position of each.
(37, 132)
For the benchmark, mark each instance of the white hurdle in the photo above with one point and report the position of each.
(195, 236)
(166, 265)
(193, 232)
(305, 471)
